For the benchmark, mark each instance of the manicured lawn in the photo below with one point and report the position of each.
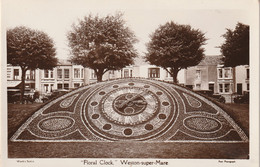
(239, 113)
(18, 114)
(128, 150)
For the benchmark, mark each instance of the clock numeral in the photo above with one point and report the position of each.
(128, 120)
(141, 117)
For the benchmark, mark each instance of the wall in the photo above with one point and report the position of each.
(241, 77)
(212, 76)
(195, 78)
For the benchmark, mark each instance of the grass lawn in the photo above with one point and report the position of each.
(239, 113)
(18, 114)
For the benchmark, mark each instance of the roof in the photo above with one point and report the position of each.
(211, 60)
(138, 61)
(64, 62)
(208, 60)
(12, 84)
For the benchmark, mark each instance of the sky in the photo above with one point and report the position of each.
(55, 17)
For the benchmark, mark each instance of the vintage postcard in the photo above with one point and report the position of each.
(129, 83)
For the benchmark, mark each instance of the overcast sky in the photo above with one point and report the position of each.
(55, 17)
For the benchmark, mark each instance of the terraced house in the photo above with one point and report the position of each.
(208, 76)
(203, 77)
(14, 77)
(64, 76)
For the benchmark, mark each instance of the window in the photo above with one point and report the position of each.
(112, 72)
(239, 88)
(198, 86)
(220, 88)
(16, 74)
(76, 73)
(220, 73)
(51, 73)
(46, 74)
(32, 73)
(126, 73)
(154, 72)
(82, 73)
(247, 86)
(247, 74)
(211, 87)
(66, 86)
(227, 87)
(66, 73)
(167, 74)
(227, 73)
(59, 86)
(33, 85)
(131, 73)
(27, 76)
(93, 75)
(59, 73)
(76, 85)
(46, 86)
(198, 74)
(189, 86)
(51, 87)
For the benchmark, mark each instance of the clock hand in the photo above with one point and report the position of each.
(139, 102)
(127, 101)
(131, 99)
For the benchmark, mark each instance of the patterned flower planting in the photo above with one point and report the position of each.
(131, 109)
(68, 101)
(192, 101)
(55, 124)
(202, 124)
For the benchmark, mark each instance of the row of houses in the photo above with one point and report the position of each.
(209, 75)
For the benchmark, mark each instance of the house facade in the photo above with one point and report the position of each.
(242, 83)
(154, 72)
(139, 71)
(203, 76)
(64, 76)
(226, 80)
(209, 75)
(14, 77)
(144, 70)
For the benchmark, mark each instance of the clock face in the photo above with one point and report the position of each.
(129, 105)
(128, 110)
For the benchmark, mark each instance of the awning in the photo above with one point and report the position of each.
(13, 84)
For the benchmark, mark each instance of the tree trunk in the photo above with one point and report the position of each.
(22, 85)
(99, 77)
(99, 73)
(174, 75)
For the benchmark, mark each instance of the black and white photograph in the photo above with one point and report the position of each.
(130, 83)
